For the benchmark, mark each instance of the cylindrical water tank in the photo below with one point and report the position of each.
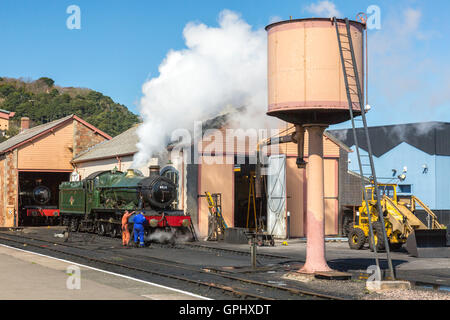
(305, 77)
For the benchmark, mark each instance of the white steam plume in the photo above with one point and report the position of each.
(221, 67)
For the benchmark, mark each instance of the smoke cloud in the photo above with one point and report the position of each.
(221, 68)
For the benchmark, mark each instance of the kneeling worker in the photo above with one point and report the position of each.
(138, 229)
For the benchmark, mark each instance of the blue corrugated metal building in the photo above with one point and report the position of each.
(416, 156)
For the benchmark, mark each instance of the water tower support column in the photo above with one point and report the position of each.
(315, 215)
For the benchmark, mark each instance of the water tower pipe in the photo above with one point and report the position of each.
(315, 215)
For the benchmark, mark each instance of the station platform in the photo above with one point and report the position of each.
(29, 276)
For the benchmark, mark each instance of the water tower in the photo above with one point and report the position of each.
(306, 87)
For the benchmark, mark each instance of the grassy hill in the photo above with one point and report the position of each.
(43, 101)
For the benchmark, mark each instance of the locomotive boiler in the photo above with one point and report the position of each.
(97, 203)
(38, 206)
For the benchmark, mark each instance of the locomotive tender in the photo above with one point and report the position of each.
(97, 203)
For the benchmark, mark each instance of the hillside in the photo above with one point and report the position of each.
(43, 101)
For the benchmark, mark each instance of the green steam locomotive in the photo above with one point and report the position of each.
(98, 202)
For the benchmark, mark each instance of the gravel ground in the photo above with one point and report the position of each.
(413, 294)
(356, 289)
(347, 289)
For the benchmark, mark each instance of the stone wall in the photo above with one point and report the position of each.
(2, 191)
(8, 189)
(84, 138)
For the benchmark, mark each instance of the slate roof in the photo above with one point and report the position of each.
(120, 145)
(37, 131)
(125, 143)
(30, 133)
(432, 138)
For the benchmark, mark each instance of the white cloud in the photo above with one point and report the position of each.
(274, 19)
(410, 22)
(324, 8)
(402, 71)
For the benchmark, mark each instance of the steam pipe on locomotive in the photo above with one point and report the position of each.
(97, 203)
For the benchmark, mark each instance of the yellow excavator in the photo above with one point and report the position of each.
(401, 223)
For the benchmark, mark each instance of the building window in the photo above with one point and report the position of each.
(404, 188)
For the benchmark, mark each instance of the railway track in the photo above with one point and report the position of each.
(233, 251)
(215, 284)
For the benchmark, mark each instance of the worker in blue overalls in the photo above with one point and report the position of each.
(138, 229)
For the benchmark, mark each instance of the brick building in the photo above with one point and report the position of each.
(40, 156)
(4, 120)
(286, 196)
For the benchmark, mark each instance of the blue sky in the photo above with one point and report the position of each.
(121, 44)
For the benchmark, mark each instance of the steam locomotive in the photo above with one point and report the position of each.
(37, 206)
(97, 203)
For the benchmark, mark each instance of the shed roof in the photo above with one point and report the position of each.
(430, 137)
(125, 143)
(121, 145)
(37, 131)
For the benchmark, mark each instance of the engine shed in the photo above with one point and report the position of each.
(35, 162)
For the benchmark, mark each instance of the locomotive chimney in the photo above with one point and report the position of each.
(24, 123)
(154, 170)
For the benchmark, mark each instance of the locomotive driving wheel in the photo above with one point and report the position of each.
(73, 226)
(101, 229)
(114, 231)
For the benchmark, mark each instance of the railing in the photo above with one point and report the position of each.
(434, 224)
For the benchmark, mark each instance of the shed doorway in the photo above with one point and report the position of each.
(38, 190)
(246, 216)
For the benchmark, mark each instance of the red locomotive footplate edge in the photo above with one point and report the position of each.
(38, 212)
(169, 221)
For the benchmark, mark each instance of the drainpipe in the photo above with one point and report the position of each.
(119, 163)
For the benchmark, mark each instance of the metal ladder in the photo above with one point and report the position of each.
(355, 100)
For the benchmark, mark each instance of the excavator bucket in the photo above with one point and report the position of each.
(429, 243)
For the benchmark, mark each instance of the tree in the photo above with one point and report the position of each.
(49, 82)
(42, 105)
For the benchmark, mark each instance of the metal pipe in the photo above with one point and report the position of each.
(300, 140)
(253, 252)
